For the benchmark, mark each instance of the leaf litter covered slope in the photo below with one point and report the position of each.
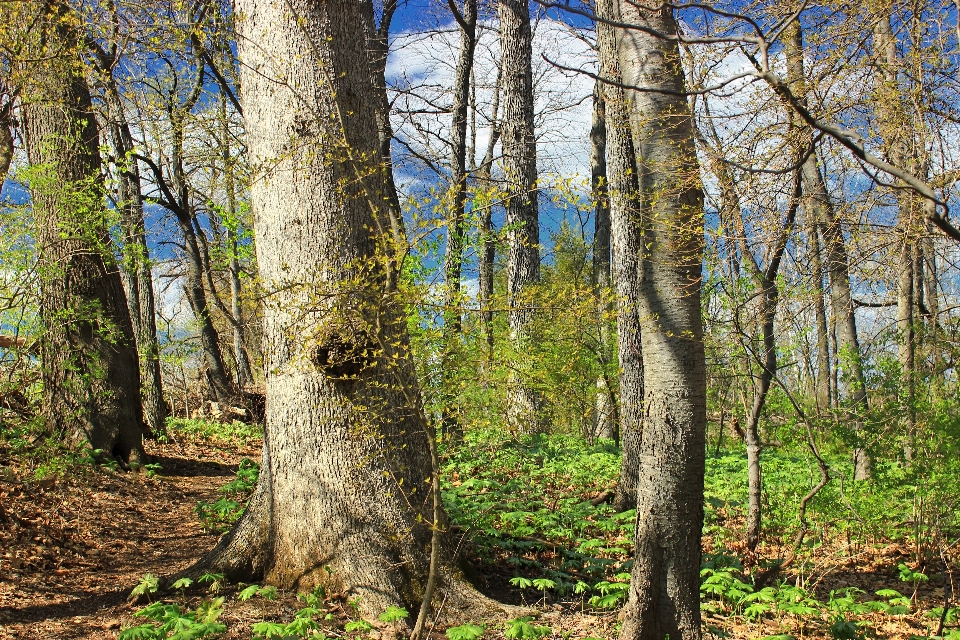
(73, 547)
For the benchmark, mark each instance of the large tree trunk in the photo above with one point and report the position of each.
(665, 582)
(625, 256)
(136, 266)
(344, 493)
(605, 422)
(524, 401)
(838, 266)
(91, 381)
(456, 220)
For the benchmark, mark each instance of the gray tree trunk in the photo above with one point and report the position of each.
(135, 268)
(488, 249)
(524, 401)
(6, 140)
(838, 266)
(625, 254)
(244, 372)
(456, 221)
(344, 493)
(605, 421)
(664, 595)
(91, 381)
(896, 130)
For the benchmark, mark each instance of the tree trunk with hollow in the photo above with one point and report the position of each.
(344, 496)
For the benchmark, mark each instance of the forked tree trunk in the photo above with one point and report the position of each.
(91, 381)
(524, 401)
(664, 595)
(625, 255)
(605, 421)
(344, 493)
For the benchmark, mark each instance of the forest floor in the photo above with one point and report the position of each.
(73, 545)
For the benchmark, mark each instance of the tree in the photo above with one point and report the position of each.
(342, 498)
(625, 252)
(606, 422)
(135, 268)
(519, 143)
(91, 382)
(664, 595)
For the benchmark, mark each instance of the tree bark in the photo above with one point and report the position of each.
(625, 254)
(344, 497)
(605, 423)
(91, 381)
(135, 268)
(524, 401)
(664, 595)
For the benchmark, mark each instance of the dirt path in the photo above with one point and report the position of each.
(71, 550)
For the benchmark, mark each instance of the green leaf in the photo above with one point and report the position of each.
(521, 582)
(465, 632)
(248, 593)
(182, 583)
(358, 625)
(148, 584)
(393, 613)
(521, 629)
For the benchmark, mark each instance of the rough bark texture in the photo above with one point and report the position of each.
(344, 492)
(524, 402)
(664, 595)
(135, 269)
(625, 255)
(605, 422)
(91, 382)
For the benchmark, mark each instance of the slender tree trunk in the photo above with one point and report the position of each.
(838, 266)
(344, 497)
(456, 222)
(488, 247)
(524, 401)
(823, 340)
(625, 254)
(605, 423)
(6, 140)
(136, 266)
(895, 127)
(91, 381)
(244, 372)
(218, 380)
(664, 595)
